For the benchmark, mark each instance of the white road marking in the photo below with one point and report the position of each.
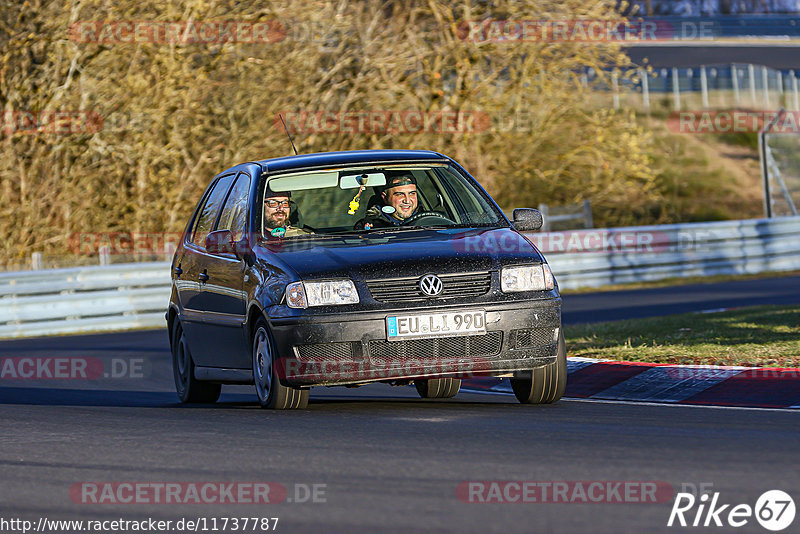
(789, 409)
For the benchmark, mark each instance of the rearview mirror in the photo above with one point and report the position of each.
(220, 242)
(372, 179)
(527, 219)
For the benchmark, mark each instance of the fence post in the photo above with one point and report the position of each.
(36, 261)
(794, 91)
(704, 86)
(545, 217)
(587, 214)
(752, 78)
(615, 85)
(765, 83)
(764, 154)
(762, 147)
(645, 89)
(735, 81)
(169, 251)
(676, 90)
(105, 255)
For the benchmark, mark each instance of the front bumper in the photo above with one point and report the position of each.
(352, 348)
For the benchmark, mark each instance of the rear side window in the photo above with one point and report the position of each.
(210, 210)
(234, 212)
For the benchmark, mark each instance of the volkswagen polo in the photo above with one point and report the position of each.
(350, 268)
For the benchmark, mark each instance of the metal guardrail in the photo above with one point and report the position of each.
(123, 296)
(582, 213)
(599, 257)
(83, 299)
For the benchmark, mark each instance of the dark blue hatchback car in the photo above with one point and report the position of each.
(349, 268)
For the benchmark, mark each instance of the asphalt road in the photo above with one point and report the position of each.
(630, 304)
(381, 459)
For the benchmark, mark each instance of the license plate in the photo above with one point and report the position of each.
(436, 325)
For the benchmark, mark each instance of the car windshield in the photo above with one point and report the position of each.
(383, 198)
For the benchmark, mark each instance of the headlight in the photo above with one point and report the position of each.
(327, 293)
(526, 278)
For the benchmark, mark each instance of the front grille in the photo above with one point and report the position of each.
(455, 286)
(532, 337)
(326, 352)
(436, 348)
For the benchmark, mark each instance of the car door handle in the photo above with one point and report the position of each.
(203, 277)
(178, 270)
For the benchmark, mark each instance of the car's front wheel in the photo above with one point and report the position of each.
(438, 388)
(271, 393)
(546, 384)
(190, 390)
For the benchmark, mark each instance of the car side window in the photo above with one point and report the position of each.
(469, 205)
(234, 212)
(208, 213)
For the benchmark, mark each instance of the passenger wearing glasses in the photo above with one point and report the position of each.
(277, 210)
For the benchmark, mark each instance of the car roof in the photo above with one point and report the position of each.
(325, 159)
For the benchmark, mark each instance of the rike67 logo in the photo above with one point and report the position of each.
(774, 510)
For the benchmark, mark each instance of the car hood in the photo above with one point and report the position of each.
(400, 254)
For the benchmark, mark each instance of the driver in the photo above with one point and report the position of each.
(277, 208)
(400, 203)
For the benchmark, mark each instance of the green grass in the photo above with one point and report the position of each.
(745, 139)
(766, 336)
(688, 175)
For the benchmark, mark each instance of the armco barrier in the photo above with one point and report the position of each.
(83, 299)
(599, 257)
(135, 295)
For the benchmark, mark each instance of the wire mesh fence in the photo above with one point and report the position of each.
(781, 167)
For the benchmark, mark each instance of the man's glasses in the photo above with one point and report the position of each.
(276, 203)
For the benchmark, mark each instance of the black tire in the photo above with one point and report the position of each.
(438, 388)
(546, 384)
(269, 390)
(190, 390)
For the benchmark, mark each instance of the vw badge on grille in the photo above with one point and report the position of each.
(430, 285)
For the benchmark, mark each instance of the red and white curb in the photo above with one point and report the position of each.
(587, 378)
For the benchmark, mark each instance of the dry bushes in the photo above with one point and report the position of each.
(177, 113)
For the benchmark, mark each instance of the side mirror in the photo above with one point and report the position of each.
(220, 242)
(527, 219)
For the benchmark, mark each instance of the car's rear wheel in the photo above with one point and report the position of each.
(438, 388)
(546, 384)
(190, 390)
(271, 393)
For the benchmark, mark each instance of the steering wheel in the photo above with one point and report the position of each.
(431, 217)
